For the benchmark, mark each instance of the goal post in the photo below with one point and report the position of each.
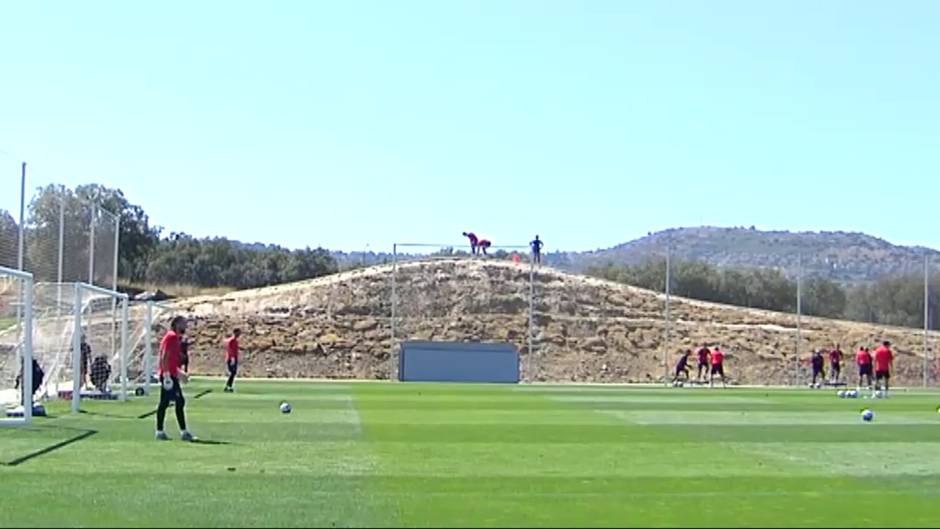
(447, 293)
(93, 321)
(16, 347)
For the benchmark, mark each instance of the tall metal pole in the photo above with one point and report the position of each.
(125, 310)
(61, 268)
(114, 278)
(21, 255)
(91, 246)
(668, 294)
(148, 348)
(20, 262)
(799, 316)
(394, 297)
(926, 316)
(77, 350)
(531, 309)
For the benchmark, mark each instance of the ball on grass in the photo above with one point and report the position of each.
(868, 415)
(841, 394)
(286, 407)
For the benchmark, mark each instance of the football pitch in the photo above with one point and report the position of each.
(428, 455)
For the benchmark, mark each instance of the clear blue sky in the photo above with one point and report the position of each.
(589, 122)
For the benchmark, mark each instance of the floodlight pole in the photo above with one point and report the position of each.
(926, 316)
(667, 322)
(799, 316)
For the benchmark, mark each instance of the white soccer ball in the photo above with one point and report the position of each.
(286, 407)
(868, 415)
(841, 394)
(879, 394)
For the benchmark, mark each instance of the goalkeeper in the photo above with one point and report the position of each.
(171, 352)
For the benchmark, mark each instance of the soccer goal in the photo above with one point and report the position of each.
(99, 345)
(447, 294)
(16, 349)
(148, 321)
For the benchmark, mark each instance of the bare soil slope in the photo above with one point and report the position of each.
(586, 330)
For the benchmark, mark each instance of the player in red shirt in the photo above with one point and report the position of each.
(704, 362)
(171, 352)
(864, 360)
(474, 241)
(718, 367)
(884, 358)
(835, 363)
(484, 245)
(232, 348)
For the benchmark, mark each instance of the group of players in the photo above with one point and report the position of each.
(711, 362)
(479, 246)
(880, 363)
(173, 370)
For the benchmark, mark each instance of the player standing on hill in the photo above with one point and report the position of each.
(884, 358)
(835, 364)
(864, 360)
(537, 246)
(484, 245)
(474, 241)
(232, 348)
(704, 363)
(718, 367)
(171, 350)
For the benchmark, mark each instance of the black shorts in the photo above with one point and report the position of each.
(718, 369)
(864, 370)
(703, 365)
(817, 370)
(883, 375)
(836, 366)
(232, 366)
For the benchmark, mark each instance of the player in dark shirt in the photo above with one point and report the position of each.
(537, 246)
(835, 364)
(682, 367)
(474, 241)
(704, 362)
(818, 366)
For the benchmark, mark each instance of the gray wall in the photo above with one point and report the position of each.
(458, 362)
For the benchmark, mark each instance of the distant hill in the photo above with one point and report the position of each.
(839, 256)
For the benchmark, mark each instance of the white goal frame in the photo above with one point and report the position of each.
(124, 301)
(25, 352)
(396, 318)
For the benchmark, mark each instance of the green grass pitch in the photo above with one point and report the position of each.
(427, 455)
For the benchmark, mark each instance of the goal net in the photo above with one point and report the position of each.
(16, 331)
(148, 321)
(79, 340)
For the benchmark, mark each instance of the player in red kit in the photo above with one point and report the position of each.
(835, 364)
(884, 358)
(232, 348)
(474, 241)
(718, 367)
(864, 360)
(171, 359)
(704, 362)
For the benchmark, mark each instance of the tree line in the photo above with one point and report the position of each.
(895, 300)
(146, 254)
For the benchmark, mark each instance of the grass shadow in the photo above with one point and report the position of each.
(79, 435)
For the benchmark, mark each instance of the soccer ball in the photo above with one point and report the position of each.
(841, 394)
(868, 415)
(852, 394)
(879, 394)
(285, 407)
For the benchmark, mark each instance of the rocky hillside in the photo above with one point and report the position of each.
(586, 330)
(840, 256)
